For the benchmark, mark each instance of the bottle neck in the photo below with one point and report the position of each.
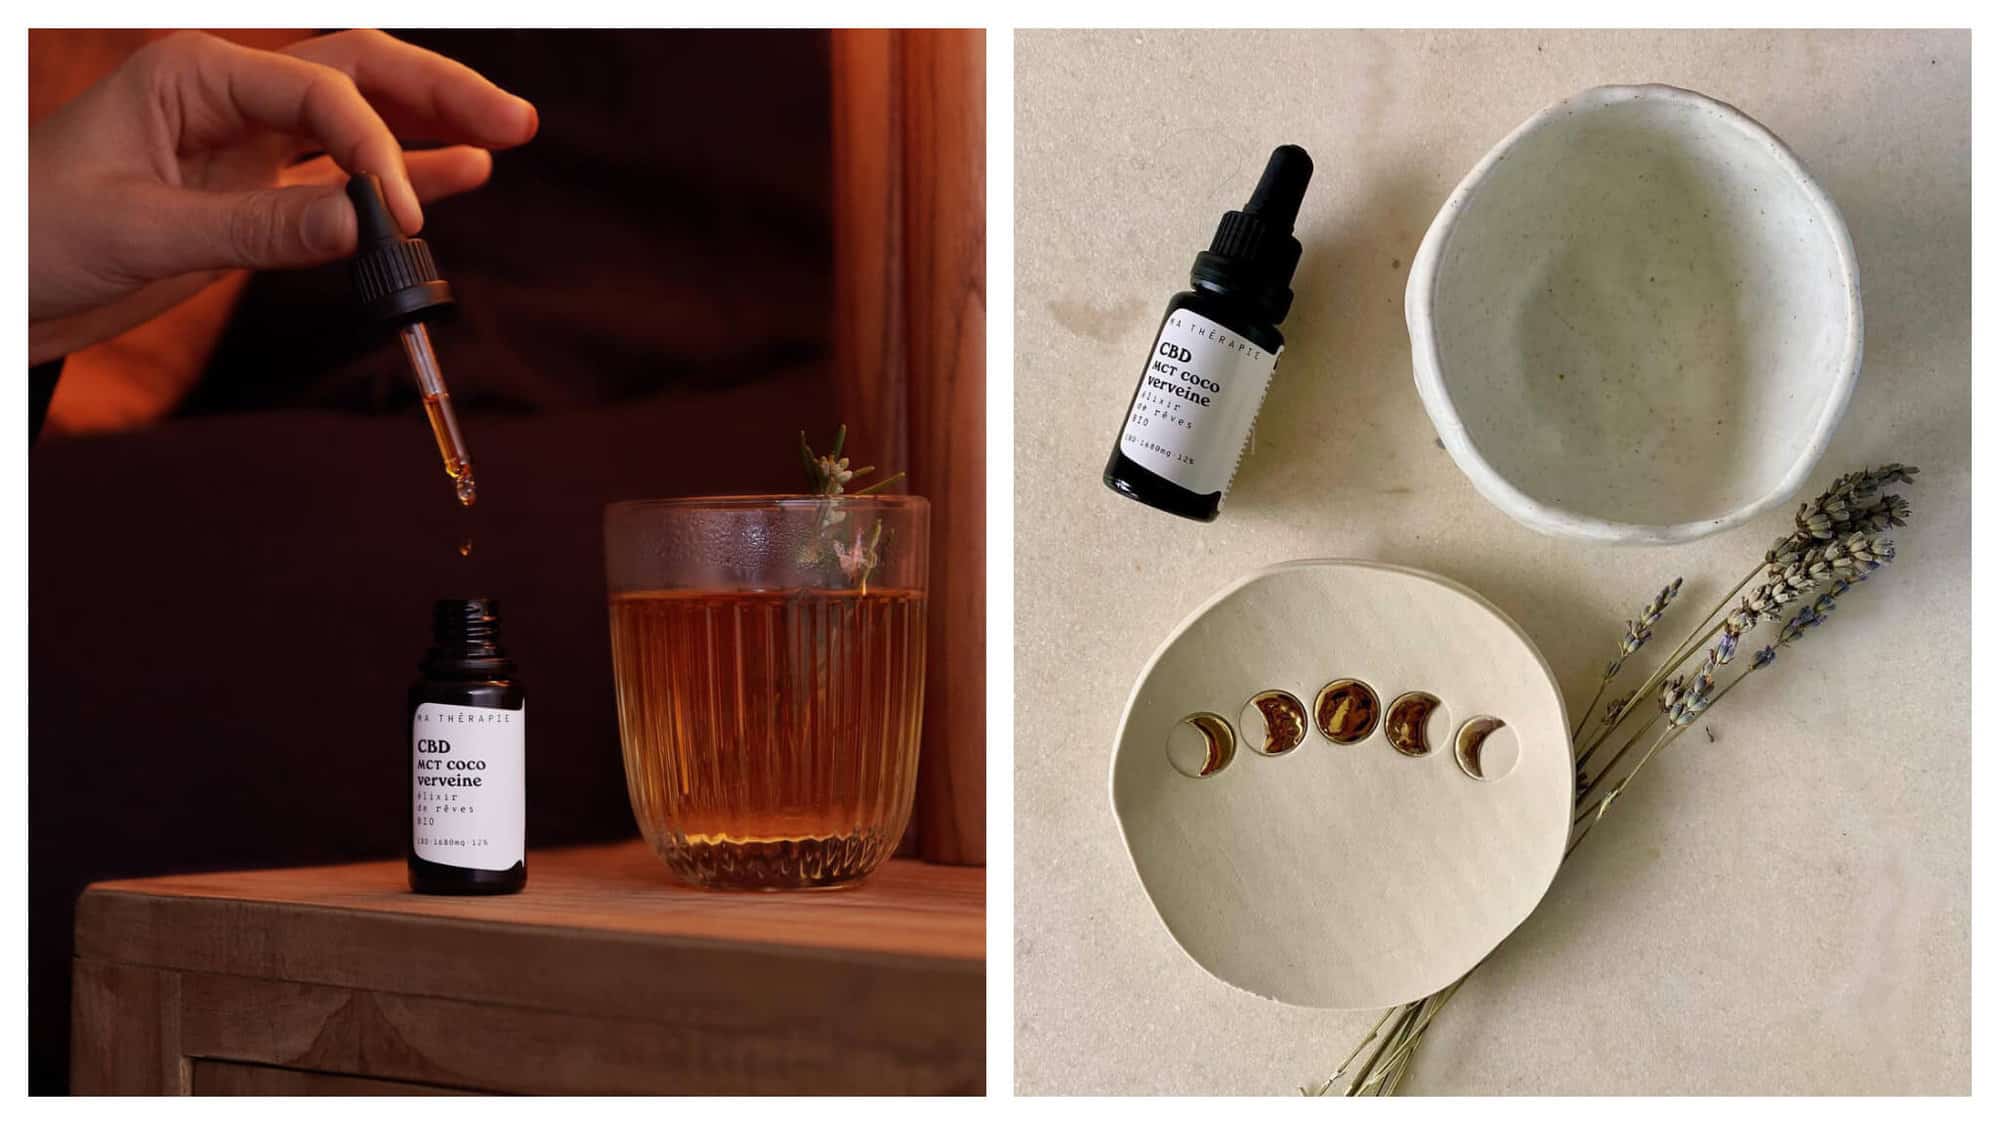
(465, 641)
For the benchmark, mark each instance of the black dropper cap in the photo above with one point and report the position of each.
(394, 277)
(1253, 251)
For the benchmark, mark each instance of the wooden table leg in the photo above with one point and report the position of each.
(125, 1031)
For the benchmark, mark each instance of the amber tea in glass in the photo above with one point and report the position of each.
(769, 659)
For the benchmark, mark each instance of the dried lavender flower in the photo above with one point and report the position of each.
(1818, 522)
(1725, 649)
(1891, 473)
(1670, 692)
(1890, 511)
(1783, 553)
(1850, 504)
(1637, 633)
(1856, 554)
(1662, 600)
(1857, 491)
(1636, 636)
(1803, 620)
(1862, 552)
(1764, 602)
(1806, 619)
(1686, 699)
(1816, 518)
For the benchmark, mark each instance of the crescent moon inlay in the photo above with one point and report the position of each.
(1471, 748)
(1283, 719)
(1346, 711)
(1201, 745)
(1406, 721)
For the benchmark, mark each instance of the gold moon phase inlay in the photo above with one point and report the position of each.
(1405, 723)
(1201, 745)
(1471, 749)
(1347, 711)
(1282, 718)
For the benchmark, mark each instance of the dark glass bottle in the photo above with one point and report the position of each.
(467, 743)
(1214, 353)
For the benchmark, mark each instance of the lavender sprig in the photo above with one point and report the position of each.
(1821, 547)
(1682, 701)
(1637, 633)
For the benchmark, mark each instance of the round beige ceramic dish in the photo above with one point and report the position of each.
(1345, 876)
(1637, 320)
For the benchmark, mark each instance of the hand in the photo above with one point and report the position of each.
(180, 166)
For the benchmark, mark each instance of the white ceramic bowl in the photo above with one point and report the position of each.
(1637, 320)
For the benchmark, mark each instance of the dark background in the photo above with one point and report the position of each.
(226, 607)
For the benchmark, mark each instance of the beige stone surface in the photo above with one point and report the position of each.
(1780, 905)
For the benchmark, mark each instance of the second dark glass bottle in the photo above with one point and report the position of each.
(1212, 359)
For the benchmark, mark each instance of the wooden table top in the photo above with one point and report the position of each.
(907, 909)
(605, 975)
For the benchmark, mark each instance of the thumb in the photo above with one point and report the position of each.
(269, 228)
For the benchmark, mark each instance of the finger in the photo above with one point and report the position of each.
(422, 94)
(270, 228)
(306, 222)
(435, 173)
(278, 91)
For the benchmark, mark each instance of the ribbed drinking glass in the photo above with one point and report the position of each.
(769, 659)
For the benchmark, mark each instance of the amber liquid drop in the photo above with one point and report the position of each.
(770, 736)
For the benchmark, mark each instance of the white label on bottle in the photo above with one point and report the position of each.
(1197, 401)
(470, 792)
